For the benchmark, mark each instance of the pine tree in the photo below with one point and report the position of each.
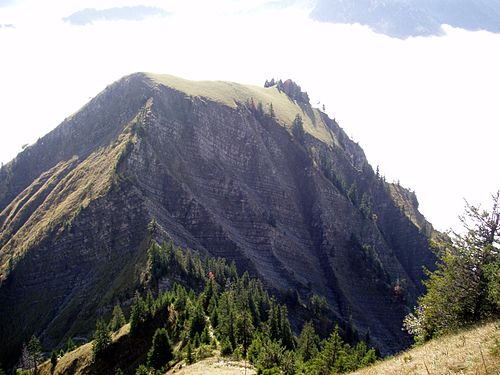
(271, 111)
(285, 329)
(197, 321)
(225, 347)
(205, 336)
(53, 361)
(332, 351)
(102, 338)
(225, 327)
(34, 353)
(244, 330)
(271, 355)
(260, 110)
(298, 129)
(118, 319)
(161, 351)
(189, 353)
(70, 345)
(139, 313)
(308, 342)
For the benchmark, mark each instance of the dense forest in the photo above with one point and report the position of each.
(191, 308)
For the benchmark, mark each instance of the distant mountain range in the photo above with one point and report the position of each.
(132, 13)
(406, 18)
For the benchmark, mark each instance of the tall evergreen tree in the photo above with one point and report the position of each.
(70, 345)
(244, 330)
(197, 321)
(102, 338)
(161, 351)
(298, 128)
(139, 313)
(308, 342)
(331, 352)
(117, 319)
(271, 111)
(32, 355)
(53, 362)
(285, 329)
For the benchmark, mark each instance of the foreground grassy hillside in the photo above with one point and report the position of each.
(475, 351)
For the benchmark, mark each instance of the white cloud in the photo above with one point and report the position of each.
(424, 109)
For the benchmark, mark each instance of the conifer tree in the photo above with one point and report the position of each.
(225, 325)
(271, 111)
(118, 319)
(138, 314)
(189, 353)
(308, 342)
(298, 129)
(197, 321)
(332, 351)
(161, 351)
(285, 329)
(244, 330)
(102, 338)
(32, 355)
(53, 361)
(70, 345)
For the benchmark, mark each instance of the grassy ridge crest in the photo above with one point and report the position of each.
(65, 189)
(232, 94)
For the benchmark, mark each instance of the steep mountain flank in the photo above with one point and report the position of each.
(220, 172)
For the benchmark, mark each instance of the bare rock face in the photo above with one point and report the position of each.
(219, 174)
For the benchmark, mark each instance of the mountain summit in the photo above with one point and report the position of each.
(250, 174)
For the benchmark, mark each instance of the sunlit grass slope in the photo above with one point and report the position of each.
(474, 351)
(232, 94)
(56, 197)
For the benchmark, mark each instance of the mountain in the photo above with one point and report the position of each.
(405, 18)
(226, 169)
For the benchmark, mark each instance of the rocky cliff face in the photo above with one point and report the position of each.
(220, 174)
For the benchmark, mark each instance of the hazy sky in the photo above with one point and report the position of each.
(426, 110)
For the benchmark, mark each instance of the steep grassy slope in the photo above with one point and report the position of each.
(57, 197)
(218, 175)
(474, 351)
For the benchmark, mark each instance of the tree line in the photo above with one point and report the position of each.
(219, 310)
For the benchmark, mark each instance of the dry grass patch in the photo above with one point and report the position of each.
(71, 187)
(78, 361)
(474, 351)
